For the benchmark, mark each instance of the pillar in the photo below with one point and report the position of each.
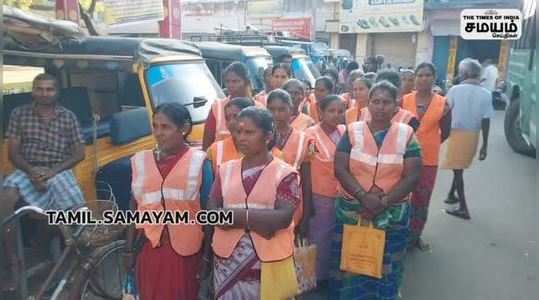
(424, 47)
(334, 40)
(362, 47)
(170, 27)
(68, 10)
(452, 59)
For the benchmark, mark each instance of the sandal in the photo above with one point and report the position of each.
(451, 200)
(459, 213)
(423, 246)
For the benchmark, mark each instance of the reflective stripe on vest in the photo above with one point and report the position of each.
(294, 150)
(218, 108)
(322, 163)
(223, 151)
(378, 166)
(428, 133)
(263, 195)
(179, 191)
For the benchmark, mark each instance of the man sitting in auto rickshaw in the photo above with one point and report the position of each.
(44, 143)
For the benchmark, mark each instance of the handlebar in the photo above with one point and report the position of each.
(21, 212)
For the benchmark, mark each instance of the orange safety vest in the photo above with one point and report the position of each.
(378, 167)
(313, 108)
(351, 115)
(223, 151)
(428, 133)
(179, 191)
(218, 110)
(263, 196)
(322, 162)
(295, 149)
(401, 116)
(302, 122)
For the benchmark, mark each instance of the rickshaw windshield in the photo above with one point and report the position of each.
(314, 69)
(256, 67)
(185, 83)
(301, 70)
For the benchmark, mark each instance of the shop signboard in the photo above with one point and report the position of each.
(298, 27)
(373, 16)
(119, 12)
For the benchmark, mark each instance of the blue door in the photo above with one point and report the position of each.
(439, 58)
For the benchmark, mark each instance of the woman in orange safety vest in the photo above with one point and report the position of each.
(434, 126)
(378, 164)
(360, 92)
(323, 87)
(293, 145)
(237, 83)
(323, 141)
(262, 192)
(349, 97)
(280, 73)
(296, 90)
(172, 177)
(225, 150)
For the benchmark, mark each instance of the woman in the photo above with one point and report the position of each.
(375, 192)
(167, 265)
(280, 73)
(323, 140)
(323, 87)
(263, 193)
(237, 82)
(225, 150)
(293, 146)
(434, 126)
(360, 92)
(408, 81)
(299, 120)
(348, 96)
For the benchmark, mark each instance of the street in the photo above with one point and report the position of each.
(493, 256)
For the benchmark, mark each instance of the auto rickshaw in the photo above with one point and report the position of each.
(218, 56)
(112, 84)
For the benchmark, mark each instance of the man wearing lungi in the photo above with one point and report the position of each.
(471, 111)
(44, 143)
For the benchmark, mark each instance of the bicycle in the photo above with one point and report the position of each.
(90, 266)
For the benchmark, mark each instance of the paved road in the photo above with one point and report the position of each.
(493, 256)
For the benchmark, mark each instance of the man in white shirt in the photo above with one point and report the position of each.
(471, 111)
(489, 76)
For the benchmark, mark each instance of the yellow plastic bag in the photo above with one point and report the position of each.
(305, 262)
(278, 280)
(363, 250)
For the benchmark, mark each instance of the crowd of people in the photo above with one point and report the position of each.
(362, 146)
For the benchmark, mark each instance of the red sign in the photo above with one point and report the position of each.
(170, 27)
(298, 27)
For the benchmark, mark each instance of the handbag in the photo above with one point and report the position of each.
(363, 250)
(278, 280)
(305, 264)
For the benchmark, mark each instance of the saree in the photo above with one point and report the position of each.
(238, 276)
(395, 222)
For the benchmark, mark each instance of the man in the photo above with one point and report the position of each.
(489, 76)
(471, 110)
(285, 59)
(44, 143)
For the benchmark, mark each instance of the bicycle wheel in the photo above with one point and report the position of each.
(105, 279)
